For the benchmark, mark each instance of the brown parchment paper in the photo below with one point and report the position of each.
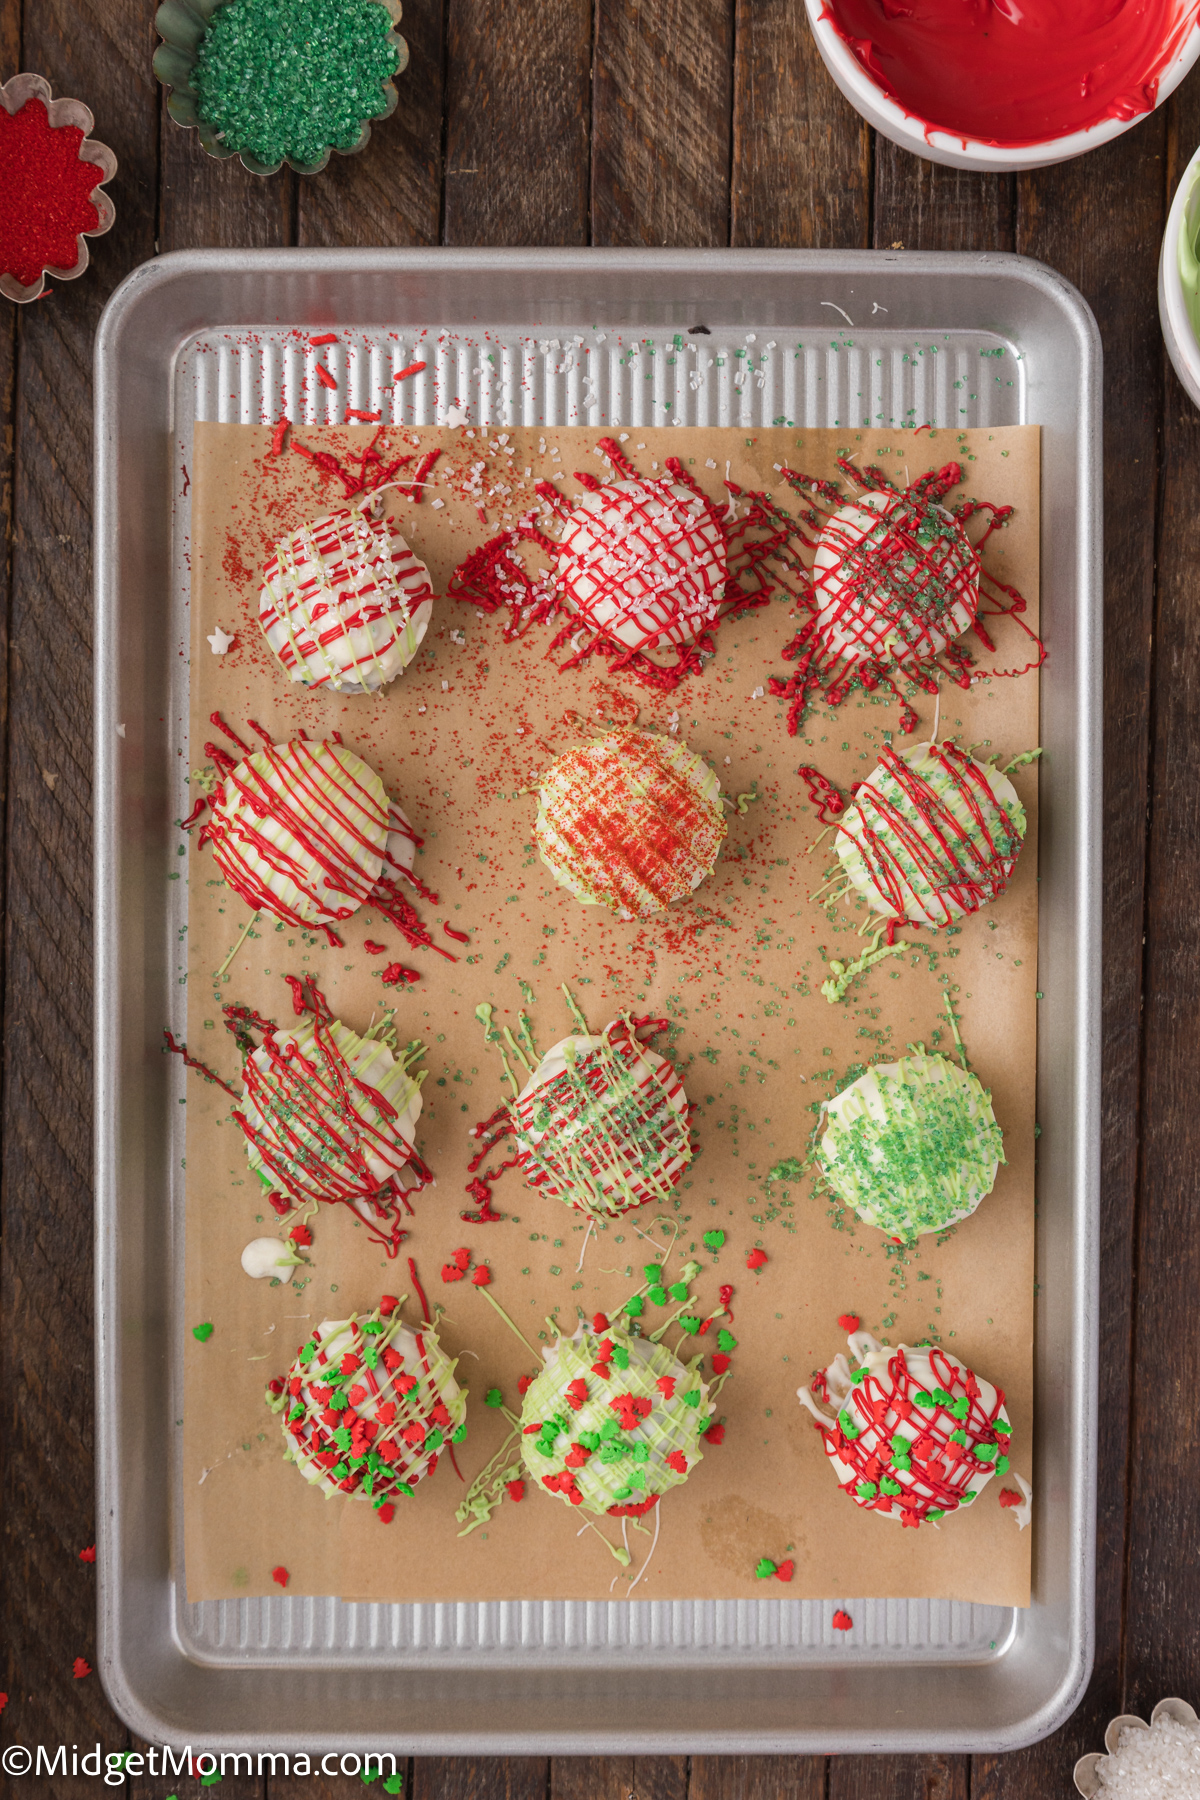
(737, 970)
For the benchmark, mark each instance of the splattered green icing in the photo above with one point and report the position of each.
(912, 1146)
(613, 1421)
(292, 78)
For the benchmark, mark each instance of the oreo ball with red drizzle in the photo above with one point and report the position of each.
(632, 821)
(911, 1434)
(368, 1405)
(931, 835)
(306, 831)
(330, 1116)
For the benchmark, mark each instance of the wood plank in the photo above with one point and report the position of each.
(390, 193)
(1163, 1585)
(101, 55)
(618, 1778)
(899, 1777)
(920, 205)
(801, 154)
(518, 114)
(757, 1778)
(207, 203)
(662, 122)
(478, 1778)
(1100, 221)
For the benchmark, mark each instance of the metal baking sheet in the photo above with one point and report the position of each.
(837, 338)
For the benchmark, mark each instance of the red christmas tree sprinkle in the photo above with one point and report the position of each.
(300, 1234)
(387, 1514)
(785, 1571)
(482, 1276)
(756, 1260)
(88, 1555)
(45, 193)
(514, 1489)
(1009, 1497)
(849, 1321)
(280, 1575)
(842, 1621)
(80, 1668)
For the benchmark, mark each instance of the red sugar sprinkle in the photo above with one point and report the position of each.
(3, 1701)
(324, 377)
(45, 190)
(482, 1276)
(756, 1260)
(387, 1514)
(514, 1489)
(412, 369)
(328, 337)
(849, 1321)
(280, 1575)
(80, 1668)
(842, 1621)
(88, 1555)
(373, 949)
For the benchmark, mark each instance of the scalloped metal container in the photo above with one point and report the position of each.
(223, 335)
(13, 96)
(1088, 1780)
(182, 24)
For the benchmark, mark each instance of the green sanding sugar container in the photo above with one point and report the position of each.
(911, 1146)
(280, 81)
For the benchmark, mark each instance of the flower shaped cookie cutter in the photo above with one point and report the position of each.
(1087, 1769)
(13, 96)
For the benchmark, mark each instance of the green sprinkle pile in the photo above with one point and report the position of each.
(290, 78)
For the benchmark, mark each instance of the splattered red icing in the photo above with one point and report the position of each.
(329, 1116)
(344, 602)
(368, 1405)
(1016, 72)
(894, 581)
(641, 564)
(631, 822)
(915, 1436)
(305, 831)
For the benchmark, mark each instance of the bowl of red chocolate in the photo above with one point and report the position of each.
(1005, 84)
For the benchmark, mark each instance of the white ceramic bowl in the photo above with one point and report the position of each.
(1180, 235)
(881, 111)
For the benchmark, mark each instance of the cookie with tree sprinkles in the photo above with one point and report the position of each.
(931, 835)
(911, 1434)
(613, 1421)
(911, 1146)
(368, 1406)
(632, 821)
(345, 603)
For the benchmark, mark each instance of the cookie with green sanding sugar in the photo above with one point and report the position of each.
(368, 1405)
(279, 81)
(911, 1434)
(931, 835)
(911, 1146)
(613, 1421)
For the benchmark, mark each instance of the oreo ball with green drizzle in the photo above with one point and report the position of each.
(613, 1421)
(911, 1146)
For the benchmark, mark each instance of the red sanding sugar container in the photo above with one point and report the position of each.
(51, 187)
(1005, 84)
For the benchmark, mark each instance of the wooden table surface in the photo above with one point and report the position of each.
(679, 122)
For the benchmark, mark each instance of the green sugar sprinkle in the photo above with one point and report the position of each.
(290, 78)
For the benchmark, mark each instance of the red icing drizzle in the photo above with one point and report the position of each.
(1015, 72)
(315, 1132)
(941, 1471)
(44, 193)
(964, 866)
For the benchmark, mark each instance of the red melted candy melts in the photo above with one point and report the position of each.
(1016, 72)
(44, 193)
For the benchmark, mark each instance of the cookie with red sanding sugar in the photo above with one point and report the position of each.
(911, 1434)
(344, 602)
(368, 1405)
(329, 1116)
(632, 821)
(307, 832)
